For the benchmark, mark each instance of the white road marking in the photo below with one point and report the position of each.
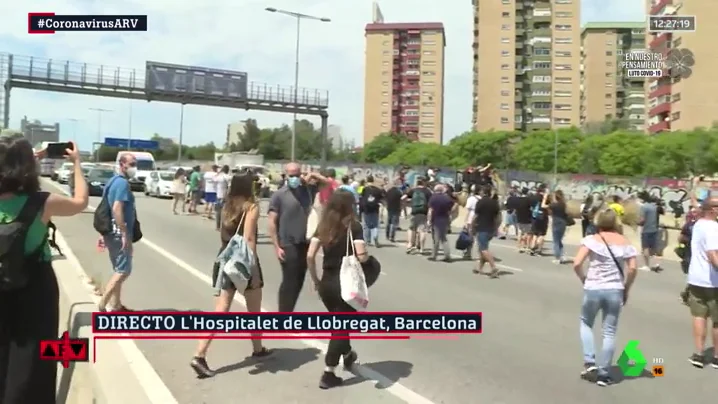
(145, 371)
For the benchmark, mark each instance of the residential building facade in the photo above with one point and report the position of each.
(404, 81)
(235, 132)
(36, 132)
(334, 134)
(689, 100)
(526, 64)
(606, 92)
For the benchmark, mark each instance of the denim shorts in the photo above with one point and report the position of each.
(483, 238)
(120, 259)
(649, 241)
(510, 219)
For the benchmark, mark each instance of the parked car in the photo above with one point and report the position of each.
(97, 178)
(159, 184)
(64, 172)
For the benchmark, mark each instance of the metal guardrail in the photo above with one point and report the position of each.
(33, 69)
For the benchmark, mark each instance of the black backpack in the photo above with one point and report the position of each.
(14, 273)
(102, 220)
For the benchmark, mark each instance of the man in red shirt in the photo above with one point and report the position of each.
(329, 187)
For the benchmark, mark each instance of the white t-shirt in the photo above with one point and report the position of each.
(704, 238)
(210, 186)
(470, 207)
(222, 183)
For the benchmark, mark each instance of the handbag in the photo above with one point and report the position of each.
(236, 260)
(463, 242)
(312, 217)
(136, 230)
(372, 270)
(354, 290)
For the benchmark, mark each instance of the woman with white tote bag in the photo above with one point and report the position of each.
(339, 234)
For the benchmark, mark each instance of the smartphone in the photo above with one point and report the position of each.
(57, 150)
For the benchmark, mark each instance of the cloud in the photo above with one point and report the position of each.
(241, 35)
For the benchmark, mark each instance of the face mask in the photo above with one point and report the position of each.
(294, 182)
(131, 171)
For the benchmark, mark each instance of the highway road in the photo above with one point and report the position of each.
(529, 351)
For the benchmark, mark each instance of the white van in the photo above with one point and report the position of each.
(145, 165)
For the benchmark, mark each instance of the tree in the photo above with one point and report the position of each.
(382, 146)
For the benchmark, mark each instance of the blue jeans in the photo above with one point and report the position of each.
(218, 212)
(392, 223)
(371, 227)
(558, 230)
(610, 302)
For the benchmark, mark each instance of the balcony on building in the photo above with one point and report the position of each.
(659, 41)
(664, 108)
(662, 126)
(658, 7)
(661, 90)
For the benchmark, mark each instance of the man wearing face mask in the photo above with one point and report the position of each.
(289, 211)
(121, 202)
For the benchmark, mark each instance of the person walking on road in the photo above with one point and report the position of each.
(439, 220)
(370, 205)
(471, 202)
(29, 298)
(349, 187)
(393, 209)
(416, 236)
(523, 221)
(179, 184)
(703, 282)
(539, 220)
(195, 180)
(221, 180)
(240, 215)
(289, 211)
(121, 202)
(337, 223)
(485, 223)
(559, 222)
(210, 191)
(606, 285)
(648, 220)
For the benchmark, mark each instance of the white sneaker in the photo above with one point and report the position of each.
(644, 268)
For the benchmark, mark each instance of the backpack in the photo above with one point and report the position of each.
(14, 273)
(235, 261)
(418, 201)
(370, 201)
(102, 220)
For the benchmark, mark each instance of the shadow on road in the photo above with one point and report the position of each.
(392, 370)
(282, 360)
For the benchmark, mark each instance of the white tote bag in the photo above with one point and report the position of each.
(351, 278)
(312, 217)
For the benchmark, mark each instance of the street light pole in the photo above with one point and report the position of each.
(181, 133)
(99, 128)
(299, 17)
(74, 129)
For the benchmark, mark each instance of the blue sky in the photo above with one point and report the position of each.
(240, 35)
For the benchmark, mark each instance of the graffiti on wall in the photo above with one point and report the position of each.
(381, 174)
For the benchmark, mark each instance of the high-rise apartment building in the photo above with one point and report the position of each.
(527, 55)
(404, 81)
(688, 100)
(36, 132)
(606, 93)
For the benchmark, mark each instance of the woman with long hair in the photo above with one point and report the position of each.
(606, 283)
(29, 295)
(179, 185)
(337, 229)
(559, 222)
(239, 214)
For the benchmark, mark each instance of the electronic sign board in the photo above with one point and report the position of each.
(170, 79)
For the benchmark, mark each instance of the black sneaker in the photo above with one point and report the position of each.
(590, 372)
(714, 363)
(697, 360)
(350, 359)
(329, 380)
(200, 366)
(604, 380)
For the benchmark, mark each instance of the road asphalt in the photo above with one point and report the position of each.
(529, 351)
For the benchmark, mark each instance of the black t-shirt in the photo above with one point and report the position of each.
(523, 210)
(511, 203)
(335, 252)
(393, 200)
(370, 198)
(486, 212)
(419, 210)
(558, 210)
(538, 199)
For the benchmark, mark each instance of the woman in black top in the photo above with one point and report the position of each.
(240, 213)
(337, 222)
(559, 221)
